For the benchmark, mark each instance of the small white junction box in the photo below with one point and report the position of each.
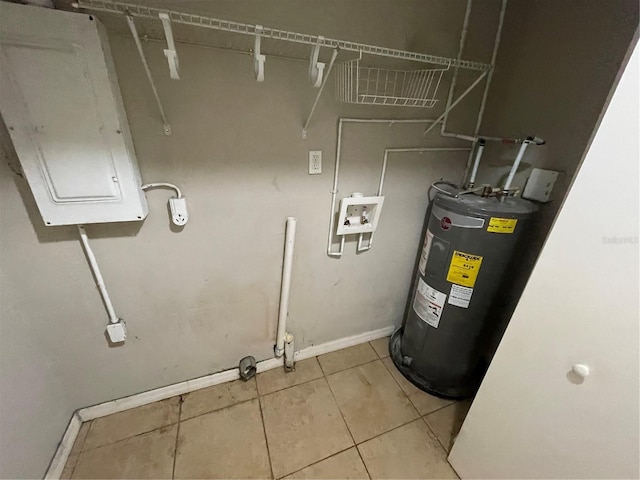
(117, 332)
(540, 185)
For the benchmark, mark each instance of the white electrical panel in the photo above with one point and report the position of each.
(60, 100)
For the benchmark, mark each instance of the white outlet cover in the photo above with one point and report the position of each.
(315, 162)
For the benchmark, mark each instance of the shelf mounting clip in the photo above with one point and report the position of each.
(258, 58)
(170, 51)
(316, 69)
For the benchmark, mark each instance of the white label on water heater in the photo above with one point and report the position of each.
(460, 296)
(429, 303)
(424, 256)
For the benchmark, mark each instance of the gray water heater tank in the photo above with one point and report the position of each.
(465, 257)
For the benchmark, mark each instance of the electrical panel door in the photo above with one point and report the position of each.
(60, 100)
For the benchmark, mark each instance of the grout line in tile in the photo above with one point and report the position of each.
(175, 449)
(418, 416)
(436, 436)
(366, 469)
(453, 402)
(291, 386)
(215, 409)
(333, 395)
(354, 366)
(168, 424)
(264, 431)
(371, 345)
(318, 461)
(390, 430)
(81, 449)
(132, 436)
(409, 397)
(218, 409)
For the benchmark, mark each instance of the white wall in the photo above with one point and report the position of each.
(532, 417)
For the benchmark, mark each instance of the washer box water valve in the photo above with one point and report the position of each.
(359, 214)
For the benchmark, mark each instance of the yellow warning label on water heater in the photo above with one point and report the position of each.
(502, 225)
(464, 269)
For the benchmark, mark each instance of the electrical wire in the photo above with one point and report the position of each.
(147, 186)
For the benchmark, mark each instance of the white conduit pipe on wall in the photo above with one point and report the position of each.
(93, 263)
(282, 336)
(476, 163)
(383, 172)
(336, 173)
(147, 186)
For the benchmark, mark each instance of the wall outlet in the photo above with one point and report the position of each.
(178, 207)
(315, 162)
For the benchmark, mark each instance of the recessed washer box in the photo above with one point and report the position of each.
(60, 100)
(359, 214)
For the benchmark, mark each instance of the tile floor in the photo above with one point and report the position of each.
(346, 414)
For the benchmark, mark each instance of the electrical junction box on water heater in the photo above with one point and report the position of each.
(60, 100)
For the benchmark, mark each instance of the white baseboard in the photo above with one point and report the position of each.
(114, 406)
(332, 346)
(64, 448)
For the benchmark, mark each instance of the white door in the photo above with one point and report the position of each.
(534, 417)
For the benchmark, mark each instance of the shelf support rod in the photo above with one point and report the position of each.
(463, 39)
(324, 82)
(136, 38)
(458, 100)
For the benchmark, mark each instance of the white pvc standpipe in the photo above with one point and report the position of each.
(93, 263)
(476, 164)
(514, 167)
(289, 243)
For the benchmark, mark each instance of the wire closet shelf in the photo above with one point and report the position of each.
(379, 86)
(183, 18)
